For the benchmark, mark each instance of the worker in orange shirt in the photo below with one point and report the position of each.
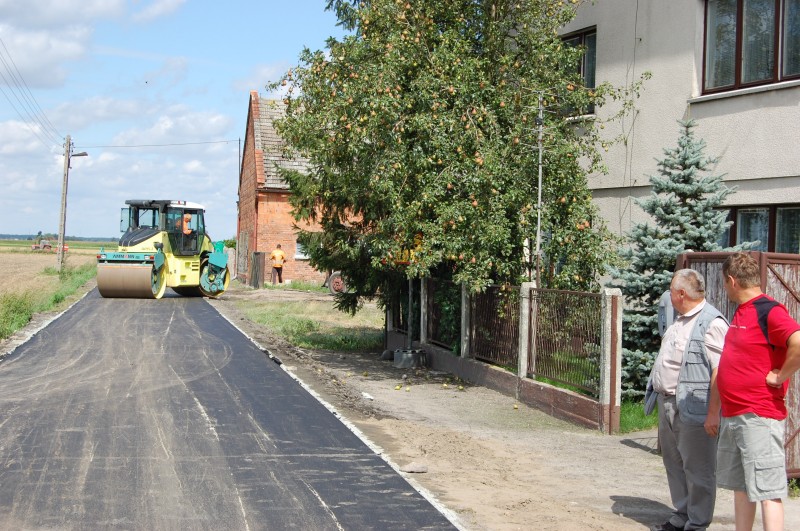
(278, 258)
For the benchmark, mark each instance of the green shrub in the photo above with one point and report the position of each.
(16, 309)
(15, 312)
(636, 366)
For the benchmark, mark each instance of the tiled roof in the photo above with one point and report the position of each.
(267, 139)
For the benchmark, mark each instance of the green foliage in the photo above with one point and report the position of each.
(298, 285)
(684, 203)
(311, 325)
(632, 417)
(230, 243)
(420, 129)
(636, 366)
(16, 310)
(447, 298)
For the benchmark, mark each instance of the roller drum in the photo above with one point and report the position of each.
(135, 281)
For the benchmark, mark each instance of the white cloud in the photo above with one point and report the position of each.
(259, 76)
(18, 138)
(39, 56)
(171, 73)
(95, 110)
(158, 9)
(179, 125)
(58, 13)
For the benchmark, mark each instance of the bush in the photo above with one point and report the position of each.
(15, 312)
(636, 366)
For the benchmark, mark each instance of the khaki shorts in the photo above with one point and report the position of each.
(751, 458)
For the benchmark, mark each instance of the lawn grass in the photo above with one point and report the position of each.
(17, 309)
(632, 417)
(298, 285)
(315, 325)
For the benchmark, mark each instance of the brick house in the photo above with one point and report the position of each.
(265, 218)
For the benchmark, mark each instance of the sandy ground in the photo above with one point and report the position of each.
(489, 462)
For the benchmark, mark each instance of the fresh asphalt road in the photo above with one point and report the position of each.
(160, 414)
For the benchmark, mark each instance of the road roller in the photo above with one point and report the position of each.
(164, 244)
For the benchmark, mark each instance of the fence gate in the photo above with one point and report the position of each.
(780, 279)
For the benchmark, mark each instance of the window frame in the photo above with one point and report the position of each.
(772, 221)
(581, 35)
(777, 51)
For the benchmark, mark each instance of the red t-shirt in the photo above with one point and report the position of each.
(747, 357)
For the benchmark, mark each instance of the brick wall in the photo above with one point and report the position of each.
(248, 186)
(265, 218)
(276, 226)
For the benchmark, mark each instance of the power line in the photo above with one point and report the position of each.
(26, 100)
(30, 94)
(161, 145)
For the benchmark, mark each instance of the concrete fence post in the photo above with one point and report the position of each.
(423, 311)
(525, 317)
(465, 324)
(611, 360)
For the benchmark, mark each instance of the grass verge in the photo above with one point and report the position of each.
(17, 309)
(298, 285)
(315, 325)
(632, 417)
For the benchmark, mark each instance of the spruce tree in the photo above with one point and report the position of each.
(684, 204)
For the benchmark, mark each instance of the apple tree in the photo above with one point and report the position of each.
(421, 128)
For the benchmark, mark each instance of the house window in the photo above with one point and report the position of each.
(787, 230)
(300, 252)
(750, 42)
(588, 40)
(752, 224)
(776, 228)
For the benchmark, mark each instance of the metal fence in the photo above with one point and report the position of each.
(444, 311)
(494, 334)
(566, 329)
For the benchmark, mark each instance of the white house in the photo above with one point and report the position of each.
(734, 67)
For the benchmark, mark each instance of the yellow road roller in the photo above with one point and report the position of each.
(163, 245)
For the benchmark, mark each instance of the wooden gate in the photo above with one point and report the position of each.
(780, 279)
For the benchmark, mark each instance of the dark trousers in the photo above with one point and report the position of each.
(277, 272)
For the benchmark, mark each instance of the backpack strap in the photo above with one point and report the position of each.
(763, 306)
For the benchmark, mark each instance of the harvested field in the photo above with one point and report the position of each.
(25, 270)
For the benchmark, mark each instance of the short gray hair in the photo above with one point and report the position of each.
(692, 282)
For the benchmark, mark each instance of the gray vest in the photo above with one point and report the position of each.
(694, 378)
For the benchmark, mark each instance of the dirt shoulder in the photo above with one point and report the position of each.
(493, 463)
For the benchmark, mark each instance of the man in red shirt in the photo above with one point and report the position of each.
(761, 353)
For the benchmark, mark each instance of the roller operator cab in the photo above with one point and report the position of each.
(163, 245)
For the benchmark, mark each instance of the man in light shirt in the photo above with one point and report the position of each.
(680, 384)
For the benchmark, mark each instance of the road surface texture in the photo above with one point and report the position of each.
(159, 414)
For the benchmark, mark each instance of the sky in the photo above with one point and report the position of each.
(155, 92)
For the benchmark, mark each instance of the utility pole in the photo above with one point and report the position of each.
(62, 225)
(540, 123)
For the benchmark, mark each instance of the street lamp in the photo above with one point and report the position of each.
(62, 227)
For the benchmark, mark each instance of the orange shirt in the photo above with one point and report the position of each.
(278, 257)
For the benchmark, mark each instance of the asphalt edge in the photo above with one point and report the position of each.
(447, 513)
(27, 335)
